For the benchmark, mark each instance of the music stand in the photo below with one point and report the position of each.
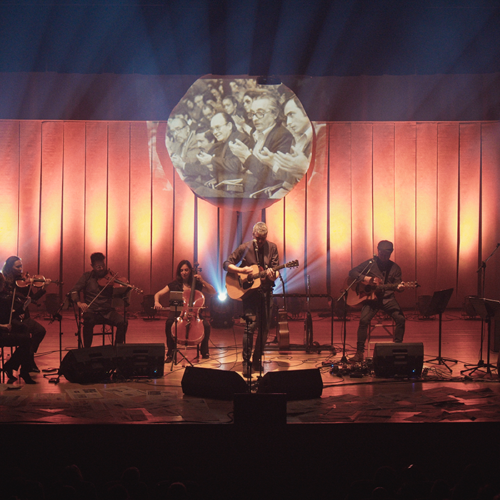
(486, 308)
(176, 299)
(438, 305)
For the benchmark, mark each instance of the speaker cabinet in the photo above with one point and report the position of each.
(140, 360)
(296, 384)
(260, 409)
(213, 384)
(398, 360)
(88, 366)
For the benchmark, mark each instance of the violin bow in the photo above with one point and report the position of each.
(103, 288)
(12, 306)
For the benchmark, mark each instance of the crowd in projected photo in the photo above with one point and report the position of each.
(236, 138)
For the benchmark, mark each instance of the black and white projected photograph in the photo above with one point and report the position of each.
(239, 138)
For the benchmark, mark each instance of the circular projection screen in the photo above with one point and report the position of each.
(237, 143)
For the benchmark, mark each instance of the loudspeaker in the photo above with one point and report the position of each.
(260, 409)
(140, 360)
(88, 366)
(398, 360)
(210, 383)
(296, 384)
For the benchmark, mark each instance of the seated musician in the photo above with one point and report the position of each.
(183, 281)
(13, 333)
(97, 305)
(385, 271)
(13, 273)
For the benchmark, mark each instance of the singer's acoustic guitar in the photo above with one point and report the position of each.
(363, 291)
(239, 284)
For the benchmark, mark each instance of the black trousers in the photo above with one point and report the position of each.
(19, 338)
(37, 333)
(112, 318)
(257, 314)
(368, 311)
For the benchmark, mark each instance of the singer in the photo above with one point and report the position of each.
(384, 271)
(256, 303)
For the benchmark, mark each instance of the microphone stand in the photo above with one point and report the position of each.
(344, 294)
(56, 316)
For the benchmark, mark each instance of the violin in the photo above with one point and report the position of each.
(189, 327)
(37, 281)
(111, 279)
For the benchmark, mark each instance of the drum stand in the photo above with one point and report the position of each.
(176, 351)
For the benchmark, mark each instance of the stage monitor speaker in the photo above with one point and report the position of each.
(260, 409)
(88, 366)
(210, 383)
(398, 360)
(140, 360)
(296, 384)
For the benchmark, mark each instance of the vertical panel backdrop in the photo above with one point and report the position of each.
(73, 188)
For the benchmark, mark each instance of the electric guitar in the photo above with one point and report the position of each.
(238, 284)
(362, 291)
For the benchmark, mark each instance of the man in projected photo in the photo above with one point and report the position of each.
(199, 172)
(257, 301)
(183, 145)
(228, 169)
(291, 167)
(270, 137)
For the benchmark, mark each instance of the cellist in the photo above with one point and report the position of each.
(184, 277)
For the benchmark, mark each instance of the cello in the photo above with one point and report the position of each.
(188, 329)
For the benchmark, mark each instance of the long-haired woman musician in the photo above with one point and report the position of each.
(184, 278)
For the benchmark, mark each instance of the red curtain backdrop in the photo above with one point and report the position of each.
(71, 188)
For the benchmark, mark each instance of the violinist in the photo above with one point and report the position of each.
(184, 278)
(16, 280)
(13, 334)
(96, 303)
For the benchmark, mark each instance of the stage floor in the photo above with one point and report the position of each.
(440, 395)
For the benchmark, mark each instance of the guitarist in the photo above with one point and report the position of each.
(385, 271)
(256, 302)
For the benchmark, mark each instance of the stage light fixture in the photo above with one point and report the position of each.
(221, 311)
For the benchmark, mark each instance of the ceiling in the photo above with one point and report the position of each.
(256, 37)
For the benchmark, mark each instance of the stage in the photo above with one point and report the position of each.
(441, 422)
(442, 393)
